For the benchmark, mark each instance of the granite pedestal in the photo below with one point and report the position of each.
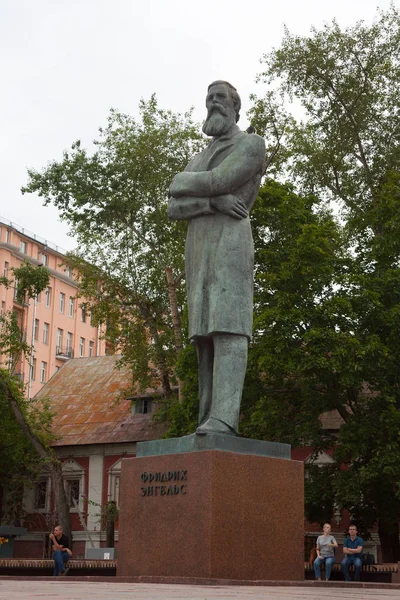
(203, 512)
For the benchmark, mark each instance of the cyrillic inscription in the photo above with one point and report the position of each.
(173, 489)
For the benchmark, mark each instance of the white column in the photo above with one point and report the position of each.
(95, 486)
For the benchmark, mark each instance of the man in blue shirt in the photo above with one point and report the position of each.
(352, 548)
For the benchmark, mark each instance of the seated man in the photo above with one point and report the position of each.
(352, 548)
(61, 552)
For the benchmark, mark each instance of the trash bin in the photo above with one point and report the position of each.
(10, 533)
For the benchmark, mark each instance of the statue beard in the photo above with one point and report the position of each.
(219, 121)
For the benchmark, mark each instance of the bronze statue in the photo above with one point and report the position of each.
(215, 194)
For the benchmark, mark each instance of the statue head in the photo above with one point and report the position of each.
(223, 107)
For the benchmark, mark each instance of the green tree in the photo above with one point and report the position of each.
(25, 450)
(115, 201)
(343, 354)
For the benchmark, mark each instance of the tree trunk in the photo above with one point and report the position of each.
(60, 499)
(54, 465)
(389, 538)
(176, 322)
(110, 529)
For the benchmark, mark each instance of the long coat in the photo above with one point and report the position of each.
(219, 251)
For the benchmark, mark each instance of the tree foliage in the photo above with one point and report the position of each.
(337, 333)
(25, 449)
(115, 201)
(347, 81)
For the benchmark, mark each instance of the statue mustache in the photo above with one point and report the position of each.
(219, 108)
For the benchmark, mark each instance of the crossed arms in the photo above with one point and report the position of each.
(203, 193)
(352, 550)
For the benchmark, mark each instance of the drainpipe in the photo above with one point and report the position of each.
(98, 341)
(32, 348)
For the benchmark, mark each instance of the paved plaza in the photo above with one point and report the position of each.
(28, 589)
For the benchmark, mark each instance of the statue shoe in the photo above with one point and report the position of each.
(213, 425)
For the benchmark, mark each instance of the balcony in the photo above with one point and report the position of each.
(64, 353)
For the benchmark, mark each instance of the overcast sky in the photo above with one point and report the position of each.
(65, 63)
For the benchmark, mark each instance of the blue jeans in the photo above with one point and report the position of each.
(346, 562)
(61, 557)
(328, 566)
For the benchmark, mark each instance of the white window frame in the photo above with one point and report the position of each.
(48, 296)
(70, 340)
(71, 307)
(46, 331)
(60, 335)
(36, 325)
(81, 347)
(62, 302)
(91, 348)
(23, 246)
(30, 496)
(32, 369)
(71, 471)
(114, 482)
(43, 371)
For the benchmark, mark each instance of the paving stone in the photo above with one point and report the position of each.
(58, 589)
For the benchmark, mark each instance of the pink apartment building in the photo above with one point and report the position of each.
(55, 325)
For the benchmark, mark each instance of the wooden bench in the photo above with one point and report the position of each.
(381, 573)
(44, 566)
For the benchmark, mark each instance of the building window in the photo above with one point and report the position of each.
(59, 339)
(36, 329)
(46, 329)
(48, 297)
(6, 267)
(3, 307)
(69, 340)
(68, 271)
(91, 348)
(41, 494)
(74, 483)
(16, 289)
(32, 369)
(71, 307)
(143, 406)
(23, 246)
(8, 236)
(45, 259)
(115, 485)
(72, 489)
(38, 298)
(81, 346)
(62, 302)
(114, 480)
(83, 317)
(43, 370)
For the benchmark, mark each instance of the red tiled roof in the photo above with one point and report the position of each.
(84, 399)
